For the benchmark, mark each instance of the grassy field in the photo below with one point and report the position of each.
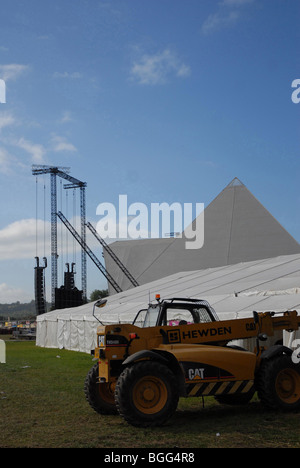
(42, 404)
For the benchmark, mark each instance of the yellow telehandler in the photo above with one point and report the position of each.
(179, 348)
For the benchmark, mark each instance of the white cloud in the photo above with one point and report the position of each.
(6, 119)
(6, 160)
(36, 151)
(61, 144)
(66, 117)
(10, 294)
(157, 68)
(228, 14)
(18, 239)
(12, 71)
(24, 239)
(217, 20)
(233, 3)
(73, 75)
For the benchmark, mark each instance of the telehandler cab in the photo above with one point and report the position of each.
(179, 348)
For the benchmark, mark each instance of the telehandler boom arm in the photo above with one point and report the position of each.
(226, 330)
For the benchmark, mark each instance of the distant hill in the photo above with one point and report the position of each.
(18, 311)
(26, 311)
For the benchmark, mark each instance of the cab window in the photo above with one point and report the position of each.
(175, 317)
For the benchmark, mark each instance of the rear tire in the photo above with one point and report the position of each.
(278, 384)
(99, 395)
(147, 394)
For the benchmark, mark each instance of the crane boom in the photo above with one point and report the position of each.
(89, 252)
(113, 255)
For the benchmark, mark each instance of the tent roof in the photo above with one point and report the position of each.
(233, 290)
(237, 228)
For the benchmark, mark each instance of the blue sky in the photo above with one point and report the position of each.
(162, 100)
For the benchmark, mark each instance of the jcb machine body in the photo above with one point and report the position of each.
(179, 348)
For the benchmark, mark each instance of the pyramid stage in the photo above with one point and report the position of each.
(237, 228)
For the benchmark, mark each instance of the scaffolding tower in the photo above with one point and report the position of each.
(74, 183)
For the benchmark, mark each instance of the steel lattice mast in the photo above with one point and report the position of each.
(63, 172)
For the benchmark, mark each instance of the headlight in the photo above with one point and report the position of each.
(101, 341)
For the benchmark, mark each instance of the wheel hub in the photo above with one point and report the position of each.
(150, 394)
(288, 385)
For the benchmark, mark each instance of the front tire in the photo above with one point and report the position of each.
(99, 395)
(146, 394)
(278, 384)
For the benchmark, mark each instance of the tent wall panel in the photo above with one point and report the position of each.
(234, 291)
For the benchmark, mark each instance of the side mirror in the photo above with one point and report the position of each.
(262, 337)
(101, 303)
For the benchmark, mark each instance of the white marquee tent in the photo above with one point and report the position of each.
(234, 291)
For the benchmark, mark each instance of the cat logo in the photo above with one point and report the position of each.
(194, 373)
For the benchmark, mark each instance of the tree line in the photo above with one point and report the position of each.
(26, 311)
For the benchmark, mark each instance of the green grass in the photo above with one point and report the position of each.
(42, 404)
